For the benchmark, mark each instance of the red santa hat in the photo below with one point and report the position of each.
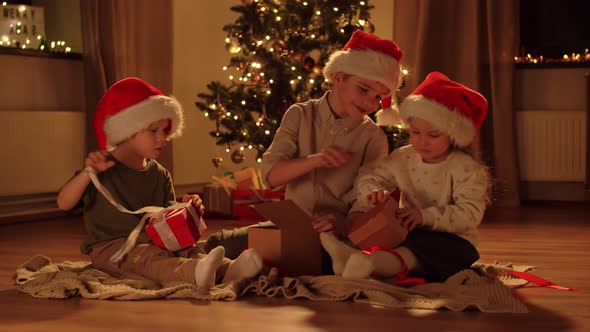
(449, 106)
(131, 105)
(369, 57)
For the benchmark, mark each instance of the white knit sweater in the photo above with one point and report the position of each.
(450, 194)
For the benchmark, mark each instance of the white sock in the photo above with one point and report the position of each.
(247, 265)
(338, 250)
(388, 265)
(358, 266)
(206, 267)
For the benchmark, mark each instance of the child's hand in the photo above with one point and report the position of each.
(325, 224)
(98, 161)
(331, 157)
(197, 202)
(377, 196)
(410, 217)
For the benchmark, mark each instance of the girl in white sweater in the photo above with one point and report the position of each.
(444, 190)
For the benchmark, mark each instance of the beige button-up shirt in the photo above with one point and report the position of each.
(306, 129)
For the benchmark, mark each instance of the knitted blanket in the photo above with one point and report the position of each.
(468, 289)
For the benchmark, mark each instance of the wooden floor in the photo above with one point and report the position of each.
(553, 238)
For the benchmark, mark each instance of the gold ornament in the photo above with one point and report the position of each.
(217, 161)
(237, 157)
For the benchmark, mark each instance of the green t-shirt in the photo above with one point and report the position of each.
(131, 188)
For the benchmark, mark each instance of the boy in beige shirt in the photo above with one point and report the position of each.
(322, 143)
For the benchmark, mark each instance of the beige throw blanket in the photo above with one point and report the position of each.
(468, 289)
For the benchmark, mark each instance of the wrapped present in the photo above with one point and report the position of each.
(177, 228)
(378, 227)
(248, 178)
(217, 200)
(242, 199)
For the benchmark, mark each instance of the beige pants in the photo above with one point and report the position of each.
(152, 262)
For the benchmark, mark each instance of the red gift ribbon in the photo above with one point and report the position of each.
(401, 278)
(534, 279)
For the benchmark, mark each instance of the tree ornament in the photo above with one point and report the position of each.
(298, 56)
(349, 29)
(308, 63)
(237, 157)
(217, 161)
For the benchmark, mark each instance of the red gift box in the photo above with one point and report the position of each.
(176, 229)
(243, 198)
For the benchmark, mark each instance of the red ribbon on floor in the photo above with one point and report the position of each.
(533, 279)
(402, 278)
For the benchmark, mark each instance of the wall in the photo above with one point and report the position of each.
(41, 111)
(62, 22)
(199, 55)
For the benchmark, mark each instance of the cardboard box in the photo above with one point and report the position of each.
(243, 199)
(378, 227)
(294, 246)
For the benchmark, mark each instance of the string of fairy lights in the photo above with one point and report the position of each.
(22, 36)
(566, 58)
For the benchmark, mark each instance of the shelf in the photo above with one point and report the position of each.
(41, 54)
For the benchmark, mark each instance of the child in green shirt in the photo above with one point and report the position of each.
(136, 120)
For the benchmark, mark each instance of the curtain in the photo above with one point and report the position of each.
(122, 39)
(473, 42)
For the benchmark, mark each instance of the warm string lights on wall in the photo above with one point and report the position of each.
(566, 58)
(278, 49)
(23, 27)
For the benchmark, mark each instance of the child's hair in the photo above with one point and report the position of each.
(131, 105)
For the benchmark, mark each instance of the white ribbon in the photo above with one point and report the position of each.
(150, 211)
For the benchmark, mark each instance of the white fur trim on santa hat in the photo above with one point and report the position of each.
(367, 64)
(135, 118)
(459, 128)
(388, 116)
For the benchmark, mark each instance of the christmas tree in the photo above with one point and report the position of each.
(278, 48)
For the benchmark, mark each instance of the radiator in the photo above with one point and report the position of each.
(552, 145)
